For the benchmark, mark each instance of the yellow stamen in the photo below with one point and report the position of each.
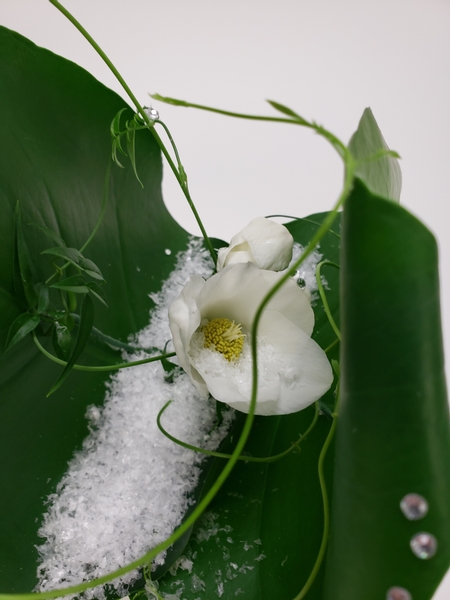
(224, 336)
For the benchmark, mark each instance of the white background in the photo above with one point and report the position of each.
(327, 59)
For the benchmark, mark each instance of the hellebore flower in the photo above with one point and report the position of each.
(263, 242)
(211, 325)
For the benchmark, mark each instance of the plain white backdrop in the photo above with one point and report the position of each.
(326, 59)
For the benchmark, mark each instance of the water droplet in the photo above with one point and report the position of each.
(414, 506)
(152, 113)
(398, 593)
(168, 251)
(301, 282)
(424, 545)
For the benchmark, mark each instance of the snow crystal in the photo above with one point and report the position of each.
(128, 488)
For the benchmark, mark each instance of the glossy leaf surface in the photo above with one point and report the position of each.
(393, 432)
(54, 160)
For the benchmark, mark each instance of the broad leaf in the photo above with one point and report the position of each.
(54, 160)
(393, 435)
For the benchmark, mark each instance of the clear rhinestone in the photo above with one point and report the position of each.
(414, 506)
(152, 113)
(398, 593)
(424, 545)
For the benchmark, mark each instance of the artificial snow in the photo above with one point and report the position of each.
(128, 488)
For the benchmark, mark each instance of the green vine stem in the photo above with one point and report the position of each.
(268, 459)
(100, 367)
(325, 503)
(323, 296)
(150, 124)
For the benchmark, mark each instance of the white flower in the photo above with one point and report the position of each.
(293, 370)
(263, 242)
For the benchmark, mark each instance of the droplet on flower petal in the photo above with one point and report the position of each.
(301, 282)
(168, 251)
(152, 113)
(424, 545)
(398, 593)
(414, 506)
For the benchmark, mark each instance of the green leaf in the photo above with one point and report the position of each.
(91, 269)
(21, 327)
(287, 111)
(54, 159)
(97, 291)
(75, 283)
(131, 150)
(84, 331)
(51, 234)
(382, 175)
(43, 293)
(71, 255)
(393, 428)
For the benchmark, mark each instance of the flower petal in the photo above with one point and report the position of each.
(293, 371)
(263, 242)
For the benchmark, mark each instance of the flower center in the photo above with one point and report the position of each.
(224, 336)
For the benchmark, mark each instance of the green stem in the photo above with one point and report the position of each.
(100, 367)
(326, 508)
(187, 193)
(323, 297)
(141, 112)
(268, 459)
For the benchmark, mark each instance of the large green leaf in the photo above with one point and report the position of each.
(54, 153)
(393, 432)
(264, 529)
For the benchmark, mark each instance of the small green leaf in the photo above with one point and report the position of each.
(382, 175)
(62, 341)
(115, 123)
(72, 255)
(75, 284)
(24, 261)
(97, 291)
(42, 291)
(168, 100)
(131, 149)
(51, 234)
(84, 331)
(20, 328)
(287, 111)
(91, 269)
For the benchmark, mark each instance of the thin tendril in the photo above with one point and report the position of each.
(326, 508)
(100, 367)
(331, 346)
(323, 297)
(268, 459)
(103, 209)
(142, 113)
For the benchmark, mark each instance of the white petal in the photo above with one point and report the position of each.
(263, 242)
(184, 320)
(293, 371)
